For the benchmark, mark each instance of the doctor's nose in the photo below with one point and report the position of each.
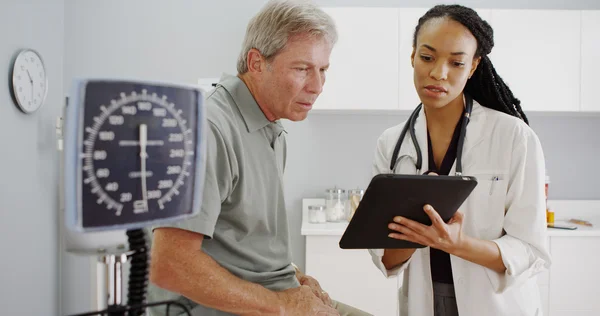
(439, 72)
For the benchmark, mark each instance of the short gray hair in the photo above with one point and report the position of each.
(269, 30)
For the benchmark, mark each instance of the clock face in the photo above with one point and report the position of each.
(29, 81)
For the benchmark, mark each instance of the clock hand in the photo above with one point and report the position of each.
(30, 81)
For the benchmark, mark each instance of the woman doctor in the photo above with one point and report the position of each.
(483, 261)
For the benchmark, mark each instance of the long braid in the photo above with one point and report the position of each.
(485, 86)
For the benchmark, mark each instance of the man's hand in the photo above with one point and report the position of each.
(301, 301)
(314, 285)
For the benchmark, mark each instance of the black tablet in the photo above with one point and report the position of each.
(390, 195)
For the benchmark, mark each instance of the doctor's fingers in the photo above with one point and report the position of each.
(416, 226)
(436, 221)
(405, 233)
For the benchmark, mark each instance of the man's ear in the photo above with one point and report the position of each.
(412, 58)
(474, 66)
(255, 60)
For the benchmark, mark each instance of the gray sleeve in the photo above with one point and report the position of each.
(218, 184)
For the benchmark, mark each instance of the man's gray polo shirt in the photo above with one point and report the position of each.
(243, 213)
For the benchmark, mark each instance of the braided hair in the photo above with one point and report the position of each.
(485, 86)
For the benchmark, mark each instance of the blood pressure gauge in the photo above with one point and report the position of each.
(133, 154)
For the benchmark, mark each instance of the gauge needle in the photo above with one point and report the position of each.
(143, 156)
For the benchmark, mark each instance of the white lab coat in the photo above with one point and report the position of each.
(509, 212)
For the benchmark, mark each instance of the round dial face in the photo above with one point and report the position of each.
(138, 153)
(29, 82)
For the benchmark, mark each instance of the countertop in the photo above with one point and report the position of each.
(588, 210)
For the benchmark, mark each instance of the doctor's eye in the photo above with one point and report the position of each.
(426, 58)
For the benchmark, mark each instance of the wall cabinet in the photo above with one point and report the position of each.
(538, 54)
(364, 63)
(590, 63)
(547, 57)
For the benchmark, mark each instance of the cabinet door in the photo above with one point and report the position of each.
(364, 63)
(407, 94)
(350, 277)
(590, 64)
(574, 276)
(408, 20)
(538, 54)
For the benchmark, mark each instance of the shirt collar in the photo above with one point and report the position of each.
(252, 115)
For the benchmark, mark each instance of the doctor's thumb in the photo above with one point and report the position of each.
(457, 218)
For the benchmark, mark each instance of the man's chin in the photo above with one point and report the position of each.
(297, 116)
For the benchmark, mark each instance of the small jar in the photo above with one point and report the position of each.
(549, 212)
(355, 196)
(337, 204)
(317, 214)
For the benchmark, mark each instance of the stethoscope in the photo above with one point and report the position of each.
(410, 126)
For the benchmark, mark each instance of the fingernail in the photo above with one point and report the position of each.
(397, 219)
(390, 235)
(428, 207)
(392, 226)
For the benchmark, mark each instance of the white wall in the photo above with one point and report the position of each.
(28, 196)
(183, 40)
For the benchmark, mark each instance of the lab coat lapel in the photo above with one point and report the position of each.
(473, 137)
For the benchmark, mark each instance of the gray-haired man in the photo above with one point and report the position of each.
(234, 257)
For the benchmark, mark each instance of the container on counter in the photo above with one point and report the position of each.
(355, 196)
(337, 204)
(549, 212)
(317, 214)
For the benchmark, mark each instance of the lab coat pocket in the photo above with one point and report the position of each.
(487, 207)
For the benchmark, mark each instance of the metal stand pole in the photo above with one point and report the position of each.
(113, 261)
(114, 272)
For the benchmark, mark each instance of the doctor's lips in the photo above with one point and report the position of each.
(435, 91)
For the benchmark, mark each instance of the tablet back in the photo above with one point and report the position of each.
(390, 195)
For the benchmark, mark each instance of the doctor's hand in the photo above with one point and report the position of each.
(446, 237)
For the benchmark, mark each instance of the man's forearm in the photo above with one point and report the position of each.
(201, 279)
